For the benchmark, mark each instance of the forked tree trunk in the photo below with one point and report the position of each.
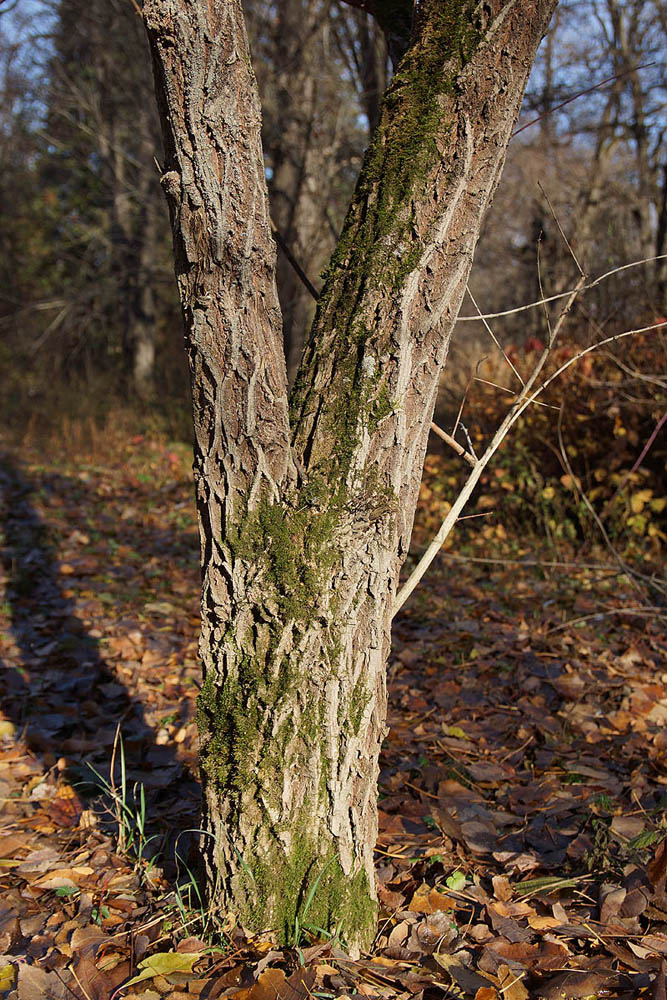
(306, 514)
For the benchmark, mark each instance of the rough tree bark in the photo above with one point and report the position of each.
(306, 506)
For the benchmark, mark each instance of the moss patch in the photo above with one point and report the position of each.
(304, 890)
(380, 244)
(295, 541)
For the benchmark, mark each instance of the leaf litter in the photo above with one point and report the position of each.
(521, 850)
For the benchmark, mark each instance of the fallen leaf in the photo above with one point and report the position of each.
(36, 984)
(466, 979)
(659, 992)
(7, 977)
(511, 987)
(66, 808)
(657, 869)
(428, 900)
(164, 963)
(576, 985)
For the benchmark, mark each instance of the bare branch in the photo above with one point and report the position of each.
(644, 612)
(575, 97)
(453, 443)
(563, 295)
(493, 336)
(522, 403)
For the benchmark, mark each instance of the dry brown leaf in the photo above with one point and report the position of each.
(299, 986)
(36, 984)
(87, 940)
(542, 923)
(39, 861)
(657, 869)
(269, 985)
(11, 845)
(517, 909)
(479, 836)
(399, 934)
(507, 927)
(511, 987)
(466, 979)
(611, 900)
(63, 878)
(502, 888)
(98, 984)
(10, 930)
(66, 808)
(576, 985)
(428, 900)
(656, 943)
(392, 900)
(627, 826)
(659, 992)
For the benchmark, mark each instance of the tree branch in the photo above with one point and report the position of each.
(215, 184)
(364, 395)
(525, 399)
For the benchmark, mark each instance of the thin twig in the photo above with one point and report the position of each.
(510, 392)
(467, 436)
(637, 375)
(547, 317)
(529, 562)
(523, 401)
(465, 393)
(581, 93)
(79, 984)
(560, 228)
(492, 335)
(644, 612)
(68, 987)
(293, 262)
(453, 443)
(563, 295)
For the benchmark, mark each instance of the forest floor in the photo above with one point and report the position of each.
(521, 851)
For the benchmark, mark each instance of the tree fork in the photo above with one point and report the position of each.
(305, 520)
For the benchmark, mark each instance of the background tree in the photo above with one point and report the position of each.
(89, 294)
(105, 290)
(600, 160)
(102, 166)
(320, 70)
(306, 506)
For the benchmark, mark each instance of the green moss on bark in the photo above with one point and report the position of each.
(300, 887)
(295, 541)
(381, 243)
(404, 149)
(357, 706)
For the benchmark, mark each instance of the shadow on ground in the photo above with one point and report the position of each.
(64, 700)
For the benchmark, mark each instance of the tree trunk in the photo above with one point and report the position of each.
(306, 517)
